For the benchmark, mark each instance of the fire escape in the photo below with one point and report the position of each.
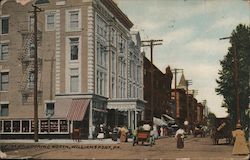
(26, 58)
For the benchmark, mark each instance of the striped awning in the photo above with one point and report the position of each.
(78, 109)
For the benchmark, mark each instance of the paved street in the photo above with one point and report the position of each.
(195, 148)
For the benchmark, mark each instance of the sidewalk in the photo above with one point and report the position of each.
(57, 141)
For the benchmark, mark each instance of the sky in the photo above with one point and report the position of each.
(190, 30)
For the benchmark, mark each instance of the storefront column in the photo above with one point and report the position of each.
(71, 128)
(129, 119)
(135, 118)
(21, 125)
(90, 120)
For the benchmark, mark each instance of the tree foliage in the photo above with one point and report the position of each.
(240, 41)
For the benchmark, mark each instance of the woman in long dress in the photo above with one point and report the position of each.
(101, 133)
(180, 138)
(240, 144)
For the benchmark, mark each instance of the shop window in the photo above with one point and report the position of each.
(63, 126)
(32, 126)
(44, 126)
(54, 126)
(7, 126)
(16, 126)
(25, 126)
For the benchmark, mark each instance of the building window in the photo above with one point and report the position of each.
(101, 27)
(50, 21)
(4, 109)
(31, 79)
(4, 51)
(113, 87)
(74, 48)
(101, 83)
(31, 50)
(5, 25)
(74, 80)
(4, 81)
(73, 20)
(113, 39)
(50, 109)
(31, 23)
(113, 62)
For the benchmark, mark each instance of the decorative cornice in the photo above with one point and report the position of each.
(113, 8)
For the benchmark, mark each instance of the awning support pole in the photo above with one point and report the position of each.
(90, 120)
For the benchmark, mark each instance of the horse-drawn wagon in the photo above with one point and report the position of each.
(143, 134)
(222, 130)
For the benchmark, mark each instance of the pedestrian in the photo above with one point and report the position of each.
(180, 137)
(161, 131)
(240, 144)
(101, 133)
(124, 131)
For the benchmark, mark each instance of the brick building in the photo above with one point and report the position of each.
(161, 90)
(90, 67)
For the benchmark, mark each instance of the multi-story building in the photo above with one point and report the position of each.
(90, 67)
(156, 93)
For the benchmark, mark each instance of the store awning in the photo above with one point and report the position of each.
(168, 117)
(159, 122)
(78, 109)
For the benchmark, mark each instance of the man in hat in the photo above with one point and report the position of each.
(240, 145)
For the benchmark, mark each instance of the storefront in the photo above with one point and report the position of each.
(69, 114)
(126, 112)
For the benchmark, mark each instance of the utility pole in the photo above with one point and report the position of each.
(35, 11)
(188, 82)
(235, 75)
(151, 44)
(176, 70)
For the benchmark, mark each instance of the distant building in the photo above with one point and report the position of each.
(90, 68)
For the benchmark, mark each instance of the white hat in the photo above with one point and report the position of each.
(101, 125)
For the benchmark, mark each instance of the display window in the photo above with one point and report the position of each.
(25, 126)
(16, 126)
(7, 126)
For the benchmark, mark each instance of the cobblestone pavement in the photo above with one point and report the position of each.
(165, 148)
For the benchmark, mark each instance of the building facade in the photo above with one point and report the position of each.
(158, 96)
(90, 68)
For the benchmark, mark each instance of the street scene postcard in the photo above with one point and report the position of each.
(125, 79)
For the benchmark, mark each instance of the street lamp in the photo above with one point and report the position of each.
(36, 9)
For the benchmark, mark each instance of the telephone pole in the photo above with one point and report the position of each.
(188, 82)
(35, 11)
(151, 44)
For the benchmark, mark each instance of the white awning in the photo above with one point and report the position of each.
(159, 122)
(168, 117)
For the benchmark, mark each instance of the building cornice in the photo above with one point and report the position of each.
(114, 9)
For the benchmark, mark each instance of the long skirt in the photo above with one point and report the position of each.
(180, 142)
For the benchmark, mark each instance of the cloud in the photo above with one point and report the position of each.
(179, 35)
(206, 47)
(229, 22)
